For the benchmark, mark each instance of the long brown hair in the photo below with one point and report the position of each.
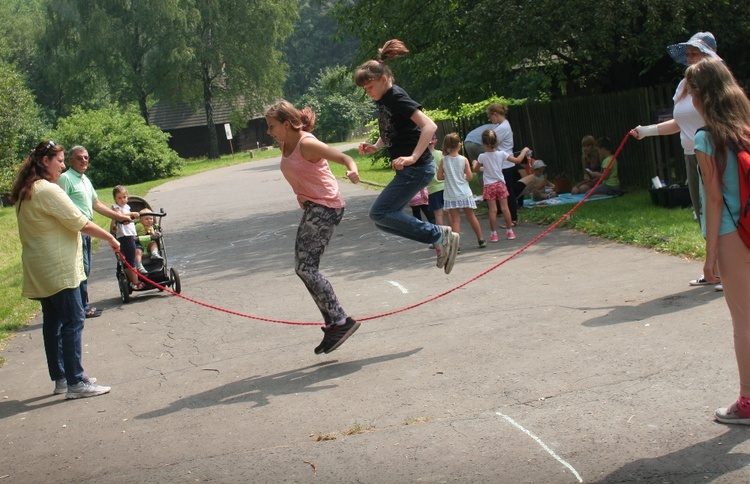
(725, 106)
(375, 69)
(299, 119)
(591, 160)
(33, 170)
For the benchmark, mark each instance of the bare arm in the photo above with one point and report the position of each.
(94, 230)
(714, 206)
(313, 150)
(440, 172)
(99, 207)
(661, 129)
(367, 148)
(468, 174)
(428, 129)
(518, 159)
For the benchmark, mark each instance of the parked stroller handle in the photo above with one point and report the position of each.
(155, 214)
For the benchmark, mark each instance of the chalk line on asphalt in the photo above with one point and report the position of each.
(399, 286)
(542, 444)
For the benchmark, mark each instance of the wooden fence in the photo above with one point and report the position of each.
(553, 130)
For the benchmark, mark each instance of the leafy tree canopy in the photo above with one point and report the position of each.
(340, 105)
(314, 46)
(21, 125)
(465, 51)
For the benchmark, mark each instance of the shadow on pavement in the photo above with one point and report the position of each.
(702, 456)
(681, 301)
(258, 388)
(9, 408)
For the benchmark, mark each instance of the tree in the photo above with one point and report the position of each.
(21, 125)
(19, 30)
(465, 51)
(234, 50)
(126, 50)
(340, 105)
(313, 46)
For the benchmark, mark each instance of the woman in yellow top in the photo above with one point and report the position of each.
(49, 226)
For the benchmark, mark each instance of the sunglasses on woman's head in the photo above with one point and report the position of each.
(47, 148)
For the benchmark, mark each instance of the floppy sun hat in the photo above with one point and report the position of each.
(537, 164)
(703, 41)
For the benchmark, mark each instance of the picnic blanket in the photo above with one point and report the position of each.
(563, 199)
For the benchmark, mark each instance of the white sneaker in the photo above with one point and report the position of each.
(84, 389)
(61, 385)
(443, 248)
(719, 287)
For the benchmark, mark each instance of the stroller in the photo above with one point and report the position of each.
(158, 269)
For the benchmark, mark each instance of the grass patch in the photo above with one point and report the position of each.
(631, 219)
(368, 172)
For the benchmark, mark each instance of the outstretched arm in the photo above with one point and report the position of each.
(99, 207)
(313, 150)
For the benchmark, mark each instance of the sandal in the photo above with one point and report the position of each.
(93, 313)
(137, 286)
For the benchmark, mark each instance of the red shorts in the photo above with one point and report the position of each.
(495, 191)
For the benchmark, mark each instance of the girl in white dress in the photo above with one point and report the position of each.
(457, 195)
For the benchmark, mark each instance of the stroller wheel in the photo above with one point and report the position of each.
(122, 282)
(175, 276)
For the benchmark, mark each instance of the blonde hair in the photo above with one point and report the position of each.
(299, 119)
(451, 142)
(497, 108)
(591, 160)
(375, 69)
(588, 140)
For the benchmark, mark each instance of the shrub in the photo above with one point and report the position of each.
(21, 125)
(341, 107)
(123, 148)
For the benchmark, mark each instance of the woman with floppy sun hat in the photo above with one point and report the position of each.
(686, 120)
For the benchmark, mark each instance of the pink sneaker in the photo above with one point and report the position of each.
(737, 413)
(493, 238)
(510, 235)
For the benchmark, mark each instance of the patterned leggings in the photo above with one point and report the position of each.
(313, 234)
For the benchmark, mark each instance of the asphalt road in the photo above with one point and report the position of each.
(580, 360)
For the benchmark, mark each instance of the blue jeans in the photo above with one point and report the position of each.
(388, 209)
(62, 326)
(87, 270)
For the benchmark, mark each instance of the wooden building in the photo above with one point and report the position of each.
(189, 136)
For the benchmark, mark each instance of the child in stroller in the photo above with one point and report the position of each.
(153, 260)
(147, 240)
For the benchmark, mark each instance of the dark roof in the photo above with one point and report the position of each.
(182, 115)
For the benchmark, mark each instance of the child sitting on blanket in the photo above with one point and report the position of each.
(540, 187)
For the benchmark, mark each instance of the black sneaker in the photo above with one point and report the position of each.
(335, 335)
